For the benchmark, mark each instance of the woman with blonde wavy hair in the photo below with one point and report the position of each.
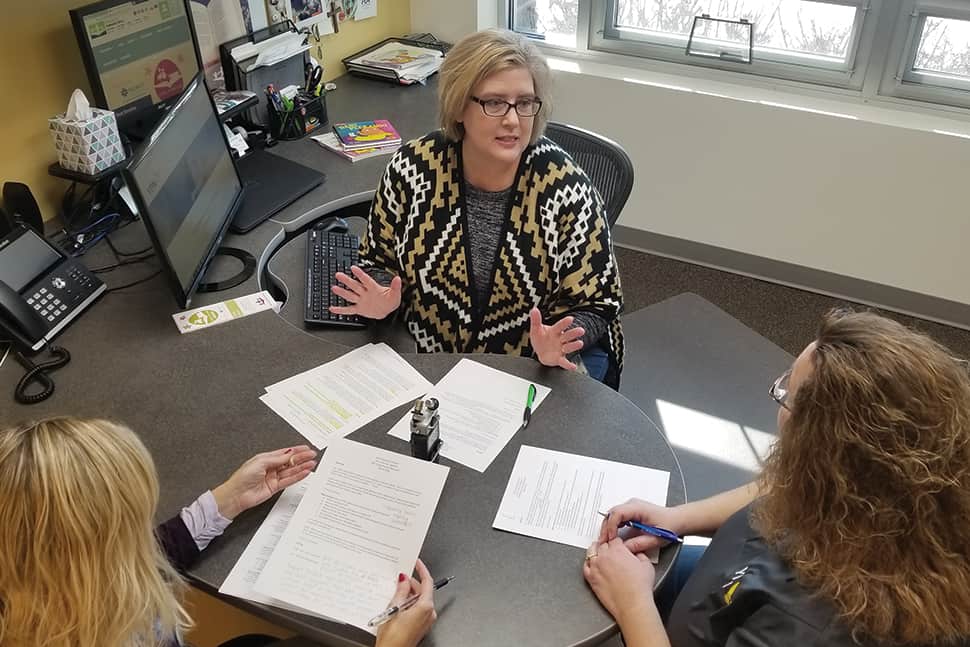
(81, 561)
(857, 532)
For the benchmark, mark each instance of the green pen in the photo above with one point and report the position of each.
(527, 414)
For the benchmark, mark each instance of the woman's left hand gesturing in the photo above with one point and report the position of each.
(553, 343)
(261, 477)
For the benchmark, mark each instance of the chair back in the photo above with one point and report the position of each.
(603, 160)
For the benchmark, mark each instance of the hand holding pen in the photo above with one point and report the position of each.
(656, 531)
(414, 614)
(659, 524)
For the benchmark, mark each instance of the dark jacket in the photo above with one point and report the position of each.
(743, 594)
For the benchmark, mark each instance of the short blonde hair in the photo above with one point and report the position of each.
(478, 56)
(80, 564)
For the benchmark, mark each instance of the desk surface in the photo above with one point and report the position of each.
(193, 400)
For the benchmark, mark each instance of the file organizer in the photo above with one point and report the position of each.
(286, 72)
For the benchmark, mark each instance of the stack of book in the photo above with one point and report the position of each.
(398, 60)
(357, 140)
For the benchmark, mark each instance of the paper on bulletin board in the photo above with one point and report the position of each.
(218, 21)
(365, 9)
(309, 13)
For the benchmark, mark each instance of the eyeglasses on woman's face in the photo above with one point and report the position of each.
(500, 107)
(779, 390)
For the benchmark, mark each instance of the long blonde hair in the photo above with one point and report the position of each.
(480, 55)
(868, 486)
(79, 562)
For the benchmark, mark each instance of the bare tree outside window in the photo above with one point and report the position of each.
(944, 47)
(802, 26)
(554, 20)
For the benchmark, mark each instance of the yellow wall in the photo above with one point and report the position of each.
(40, 67)
(393, 19)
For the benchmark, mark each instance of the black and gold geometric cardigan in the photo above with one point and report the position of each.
(555, 251)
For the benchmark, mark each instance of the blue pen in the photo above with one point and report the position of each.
(663, 533)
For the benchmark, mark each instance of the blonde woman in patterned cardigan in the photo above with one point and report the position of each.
(497, 241)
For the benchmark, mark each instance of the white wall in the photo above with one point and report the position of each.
(449, 20)
(877, 202)
(870, 201)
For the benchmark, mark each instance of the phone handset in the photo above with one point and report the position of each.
(19, 322)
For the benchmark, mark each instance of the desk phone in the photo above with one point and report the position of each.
(41, 289)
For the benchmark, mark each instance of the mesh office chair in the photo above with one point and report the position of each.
(605, 162)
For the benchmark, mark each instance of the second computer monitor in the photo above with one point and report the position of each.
(186, 188)
(139, 55)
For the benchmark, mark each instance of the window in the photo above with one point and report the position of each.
(803, 40)
(809, 33)
(942, 54)
(931, 53)
(553, 21)
(909, 50)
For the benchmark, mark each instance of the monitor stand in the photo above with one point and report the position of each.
(270, 183)
(249, 267)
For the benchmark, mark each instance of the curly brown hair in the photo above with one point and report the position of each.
(867, 491)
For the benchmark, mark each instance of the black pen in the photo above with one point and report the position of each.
(388, 613)
(527, 414)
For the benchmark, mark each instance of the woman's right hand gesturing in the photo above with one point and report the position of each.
(365, 296)
(644, 512)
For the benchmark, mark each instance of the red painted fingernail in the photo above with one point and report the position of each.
(401, 577)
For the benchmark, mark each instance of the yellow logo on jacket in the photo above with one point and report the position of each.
(731, 587)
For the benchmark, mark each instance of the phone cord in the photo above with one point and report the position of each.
(37, 373)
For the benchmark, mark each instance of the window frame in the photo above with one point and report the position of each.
(886, 38)
(900, 79)
(780, 65)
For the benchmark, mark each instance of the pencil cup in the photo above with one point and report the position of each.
(308, 114)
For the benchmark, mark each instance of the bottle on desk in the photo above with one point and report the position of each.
(425, 433)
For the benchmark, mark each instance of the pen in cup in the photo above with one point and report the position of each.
(391, 611)
(663, 533)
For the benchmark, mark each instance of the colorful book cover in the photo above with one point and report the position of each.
(330, 142)
(365, 134)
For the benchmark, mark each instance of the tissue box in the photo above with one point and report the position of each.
(89, 146)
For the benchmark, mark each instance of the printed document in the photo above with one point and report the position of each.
(336, 398)
(481, 409)
(558, 496)
(241, 579)
(361, 522)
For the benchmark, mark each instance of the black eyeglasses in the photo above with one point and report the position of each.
(501, 107)
(779, 390)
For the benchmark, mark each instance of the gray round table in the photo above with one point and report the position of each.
(194, 401)
(509, 589)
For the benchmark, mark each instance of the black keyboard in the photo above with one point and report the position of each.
(328, 252)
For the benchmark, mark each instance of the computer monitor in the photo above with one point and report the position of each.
(139, 56)
(186, 188)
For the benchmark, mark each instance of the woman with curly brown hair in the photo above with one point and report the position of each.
(857, 532)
